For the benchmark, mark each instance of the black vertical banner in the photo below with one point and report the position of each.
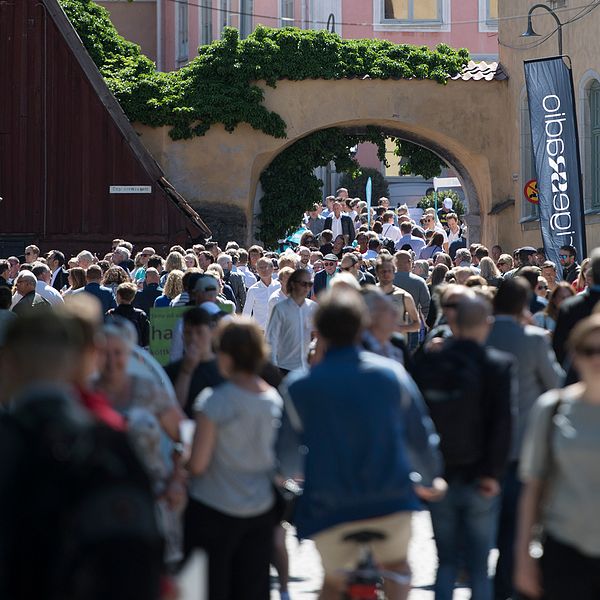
(556, 150)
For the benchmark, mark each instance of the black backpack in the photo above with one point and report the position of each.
(452, 384)
(77, 513)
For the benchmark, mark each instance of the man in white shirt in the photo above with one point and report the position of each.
(42, 287)
(290, 327)
(257, 298)
(388, 229)
(454, 230)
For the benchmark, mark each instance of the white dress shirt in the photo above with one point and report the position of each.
(336, 225)
(276, 297)
(48, 293)
(289, 332)
(257, 301)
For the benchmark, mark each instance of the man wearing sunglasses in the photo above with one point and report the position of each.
(324, 277)
(290, 325)
(568, 261)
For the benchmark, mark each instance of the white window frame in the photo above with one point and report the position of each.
(382, 24)
(486, 24)
(205, 20)
(182, 46)
(586, 140)
(283, 6)
(246, 19)
(224, 14)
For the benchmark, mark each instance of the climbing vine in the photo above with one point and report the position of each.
(219, 86)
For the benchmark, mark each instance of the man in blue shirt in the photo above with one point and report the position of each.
(371, 448)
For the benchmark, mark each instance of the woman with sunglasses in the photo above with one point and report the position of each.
(561, 493)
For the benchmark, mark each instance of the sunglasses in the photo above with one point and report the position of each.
(306, 284)
(589, 351)
(329, 264)
(564, 256)
(542, 287)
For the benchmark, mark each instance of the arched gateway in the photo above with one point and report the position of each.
(463, 121)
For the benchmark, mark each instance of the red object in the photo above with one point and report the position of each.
(362, 591)
(98, 405)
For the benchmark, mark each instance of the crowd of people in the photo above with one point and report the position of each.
(381, 365)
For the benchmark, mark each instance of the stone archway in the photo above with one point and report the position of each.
(461, 121)
(394, 129)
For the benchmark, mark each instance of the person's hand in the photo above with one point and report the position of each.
(489, 487)
(434, 345)
(434, 493)
(527, 577)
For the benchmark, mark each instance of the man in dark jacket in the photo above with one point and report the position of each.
(568, 261)
(469, 391)
(30, 301)
(340, 224)
(94, 276)
(361, 469)
(144, 299)
(574, 309)
(60, 276)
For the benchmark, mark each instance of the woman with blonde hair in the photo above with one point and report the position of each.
(175, 261)
(173, 287)
(489, 271)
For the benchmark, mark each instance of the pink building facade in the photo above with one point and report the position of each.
(170, 31)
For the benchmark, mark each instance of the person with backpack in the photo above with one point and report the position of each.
(468, 389)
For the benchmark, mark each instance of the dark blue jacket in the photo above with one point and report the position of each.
(103, 294)
(364, 423)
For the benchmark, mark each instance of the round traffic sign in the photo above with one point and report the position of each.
(531, 191)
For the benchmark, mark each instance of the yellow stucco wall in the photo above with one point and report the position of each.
(581, 43)
(463, 121)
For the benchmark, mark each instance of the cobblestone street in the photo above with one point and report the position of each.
(306, 573)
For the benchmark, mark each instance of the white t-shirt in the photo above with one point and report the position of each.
(336, 226)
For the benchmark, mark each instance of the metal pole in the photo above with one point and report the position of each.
(554, 16)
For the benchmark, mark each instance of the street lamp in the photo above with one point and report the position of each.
(331, 21)
(530, 31)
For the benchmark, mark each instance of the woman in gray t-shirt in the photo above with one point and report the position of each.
(559, 468)
(230, 513)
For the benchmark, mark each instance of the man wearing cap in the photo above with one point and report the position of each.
(444, 211)
(323, 278)
(525, 258)
(139, 273)
(30, 300)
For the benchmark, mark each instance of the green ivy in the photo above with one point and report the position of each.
(356, 184)
(417, 160)
(429, 201)
(219, 86)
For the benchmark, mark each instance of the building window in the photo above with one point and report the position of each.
(591, 139)
(529, 210)
(224, 14)
(412, 11)
(206, 36)
(488, 15)
(246, 10)
(182, 32)
(287, 13)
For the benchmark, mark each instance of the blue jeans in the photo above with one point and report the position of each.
(464, 527)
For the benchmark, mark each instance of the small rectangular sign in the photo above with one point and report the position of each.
(130, 189)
